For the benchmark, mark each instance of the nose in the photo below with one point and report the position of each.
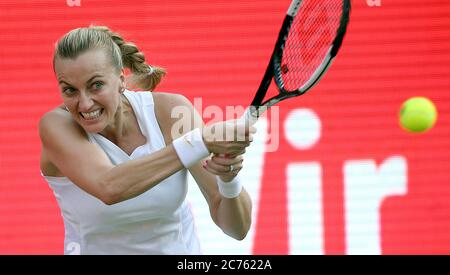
(85, 102)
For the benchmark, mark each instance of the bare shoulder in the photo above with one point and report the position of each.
(174, 111)
(66, 151)
(56, 126)
(167, 101)
(60, 123)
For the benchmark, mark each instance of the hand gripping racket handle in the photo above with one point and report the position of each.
(249, 117)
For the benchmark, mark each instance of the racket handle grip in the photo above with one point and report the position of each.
(249, 117)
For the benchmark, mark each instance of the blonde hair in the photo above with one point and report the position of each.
(123, 54)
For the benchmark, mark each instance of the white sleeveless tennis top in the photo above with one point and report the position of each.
(158, 221)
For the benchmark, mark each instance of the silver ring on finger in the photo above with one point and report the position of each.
(231, 168)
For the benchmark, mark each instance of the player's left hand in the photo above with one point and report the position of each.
(225, 166)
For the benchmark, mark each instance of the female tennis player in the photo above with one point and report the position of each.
(118, 171)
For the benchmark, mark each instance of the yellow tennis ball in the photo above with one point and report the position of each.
(418, 114)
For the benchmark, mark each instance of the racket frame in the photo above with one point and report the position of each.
(273, 71)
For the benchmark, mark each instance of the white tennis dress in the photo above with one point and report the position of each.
(158, 221)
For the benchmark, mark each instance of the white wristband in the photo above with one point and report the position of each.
(230, 189)
(190, 148)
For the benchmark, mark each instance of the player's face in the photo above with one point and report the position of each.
(90, 88)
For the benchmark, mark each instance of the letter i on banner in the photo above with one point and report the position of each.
(373, 3)
(73, 3)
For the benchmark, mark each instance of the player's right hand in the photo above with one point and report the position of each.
(228, 137)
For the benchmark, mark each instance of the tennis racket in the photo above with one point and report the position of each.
(309, 40)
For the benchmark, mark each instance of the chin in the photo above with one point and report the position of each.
(92, 128)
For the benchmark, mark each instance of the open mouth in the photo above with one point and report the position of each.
(92, 115)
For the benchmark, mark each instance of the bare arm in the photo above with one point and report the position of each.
(88, 166)
(233, 216)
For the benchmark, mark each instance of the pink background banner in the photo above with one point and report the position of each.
(345, 178)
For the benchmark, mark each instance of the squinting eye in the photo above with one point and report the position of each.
(98, 85)
(68, 91)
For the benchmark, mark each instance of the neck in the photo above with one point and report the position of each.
(118, 129)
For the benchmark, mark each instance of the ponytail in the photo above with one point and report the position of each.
(143, 75)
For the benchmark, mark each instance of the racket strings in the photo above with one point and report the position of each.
(310, 37)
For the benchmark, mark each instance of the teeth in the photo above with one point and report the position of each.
(92, 115)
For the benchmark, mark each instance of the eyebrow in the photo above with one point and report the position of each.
(90, 79)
